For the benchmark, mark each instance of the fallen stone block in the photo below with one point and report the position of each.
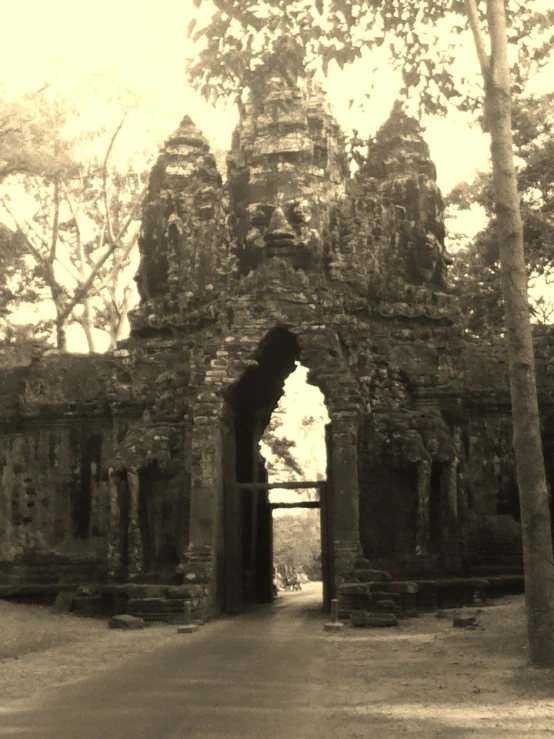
(333, 626)
(63, 603)
(125, 621)
(187, 628)
(464, 622)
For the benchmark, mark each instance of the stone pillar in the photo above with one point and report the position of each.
(463, 506)
(463, 514)
(423, 512)
(134, 538)
(205, 507)
(346, 515)
(114, 538)
(450, 543)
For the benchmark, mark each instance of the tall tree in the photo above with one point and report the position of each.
(78, 222)
(476, 261)
(297, 35)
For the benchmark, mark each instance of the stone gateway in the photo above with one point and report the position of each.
(130, 470)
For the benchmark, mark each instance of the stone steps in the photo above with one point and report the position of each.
(404, 598)
(160, 602)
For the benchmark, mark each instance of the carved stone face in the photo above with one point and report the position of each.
(430, 260)
(286, 228)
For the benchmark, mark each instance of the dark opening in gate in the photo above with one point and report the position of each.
(284, 456)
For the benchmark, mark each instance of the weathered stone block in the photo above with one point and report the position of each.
(63, 603)
(187, 628)
(402, 587)
(125, 621)
(143, 590)
(156, 609)
(363, 619)
(386, 606)
(352, 596)
(352, 588)
(464, 622)
(333, 626)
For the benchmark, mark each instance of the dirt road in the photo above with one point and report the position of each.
(276, 673)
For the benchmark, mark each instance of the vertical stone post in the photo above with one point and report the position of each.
(463, 506)
(114, 538)
(450, 540)
(344, 465)
(134, 538)
(205, 514)
(463, 515)
(423, 512)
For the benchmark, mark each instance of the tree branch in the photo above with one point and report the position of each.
(105, 177)
(56, 221)
(473, 18)
(74, 213)
(121, 258)
(30, 228)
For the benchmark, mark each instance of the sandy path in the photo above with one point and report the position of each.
(275, 673)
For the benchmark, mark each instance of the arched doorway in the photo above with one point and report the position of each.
(250, 500)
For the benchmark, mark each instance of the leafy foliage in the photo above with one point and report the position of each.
(25, 137)
(299, 36)
(297, 543)
(476, 267)
(76, 223)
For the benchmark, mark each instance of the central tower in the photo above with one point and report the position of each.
(286, 164)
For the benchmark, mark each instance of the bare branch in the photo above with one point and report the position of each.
(56, 221)
(25, 229)
(74, 213)
(132, 215)
(120, 259)
(105, 177)
(473, 18)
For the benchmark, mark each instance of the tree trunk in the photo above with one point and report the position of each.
(87, 325)
(118, 325)
(61, 338)
(535, 515)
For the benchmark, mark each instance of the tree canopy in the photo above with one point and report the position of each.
(476, 265)
(74, 211)
(304, 37)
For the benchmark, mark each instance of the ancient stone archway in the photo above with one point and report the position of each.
(226, 434)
